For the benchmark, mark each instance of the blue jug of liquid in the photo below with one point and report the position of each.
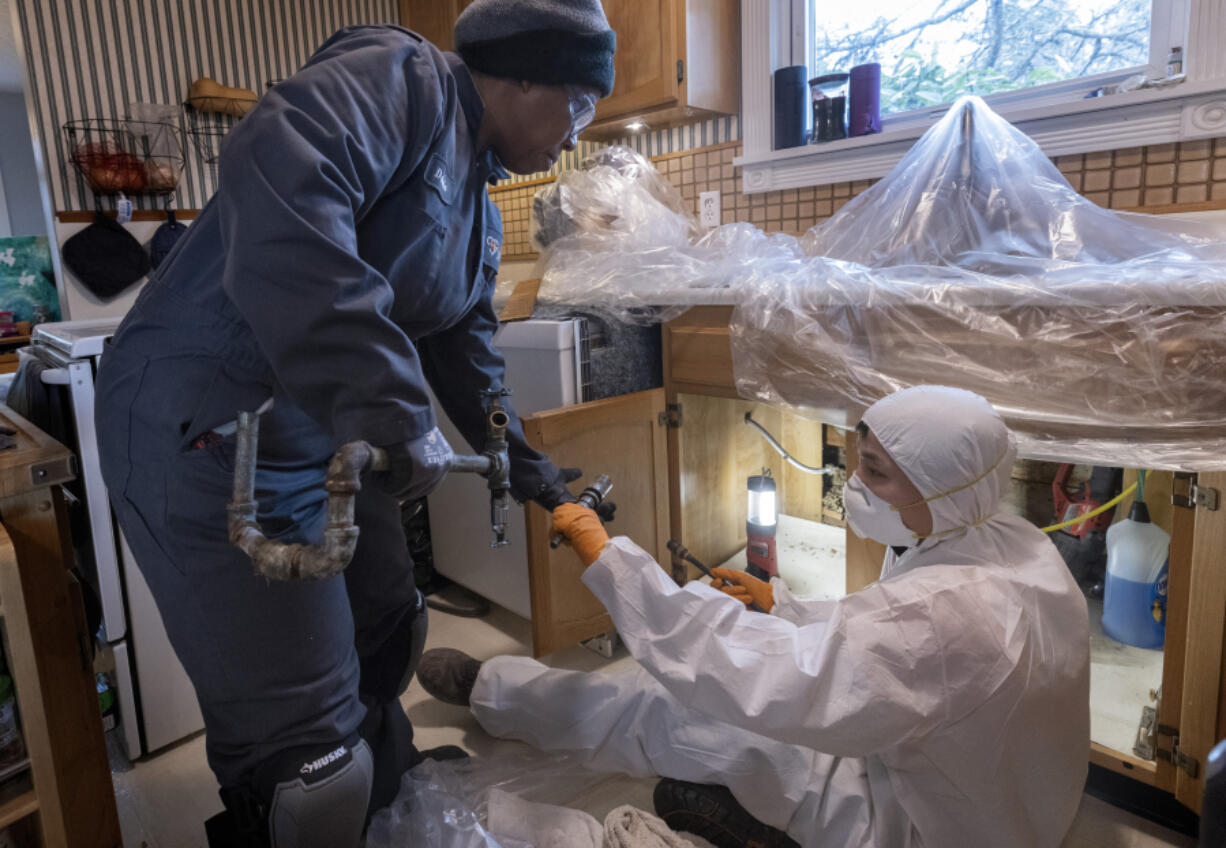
(1134, 595)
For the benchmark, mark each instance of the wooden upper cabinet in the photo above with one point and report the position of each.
(677, 61)
(434, 19)
(649, 48)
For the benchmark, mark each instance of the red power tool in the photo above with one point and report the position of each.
(1088, 498)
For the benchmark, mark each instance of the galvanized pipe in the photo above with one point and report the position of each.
(281, 561)
(498, 477)
(474, 464)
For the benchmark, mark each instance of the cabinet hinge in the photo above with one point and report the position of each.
(1196, 496)
(1172, 754)
(671, 416)
(680, 71)
(1143, 745)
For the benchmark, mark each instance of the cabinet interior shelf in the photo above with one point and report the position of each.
(18, 808)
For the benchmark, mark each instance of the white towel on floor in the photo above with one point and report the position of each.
(630, 827)
(541, 825)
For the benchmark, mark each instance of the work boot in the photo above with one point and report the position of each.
(712, 813)
(445, 752)
(448, 675)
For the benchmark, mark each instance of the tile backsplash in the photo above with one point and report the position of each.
(1183, 173)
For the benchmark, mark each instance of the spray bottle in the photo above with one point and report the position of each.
(1134, 598)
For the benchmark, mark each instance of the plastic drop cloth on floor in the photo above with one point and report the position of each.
(1100, 336)
(510, 800)
(445, 804)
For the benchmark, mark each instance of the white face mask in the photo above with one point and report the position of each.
(869, 517)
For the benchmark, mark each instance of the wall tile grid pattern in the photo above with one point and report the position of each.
(1178, 173)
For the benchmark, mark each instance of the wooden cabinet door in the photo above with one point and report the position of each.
(433, 19)
(649, 46)
(1202, 707)
(623, 437)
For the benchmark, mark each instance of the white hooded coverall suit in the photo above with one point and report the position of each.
(947, 704)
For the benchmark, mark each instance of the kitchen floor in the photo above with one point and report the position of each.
(1123, 680)
(163, 800)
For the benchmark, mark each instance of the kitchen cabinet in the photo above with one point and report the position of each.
(71, 798)
(434, 19)
(621, 437)
(677, 61)
(709, 452)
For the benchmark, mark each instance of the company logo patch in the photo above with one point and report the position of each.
(438, 175)
(492, 247)
(326, 759)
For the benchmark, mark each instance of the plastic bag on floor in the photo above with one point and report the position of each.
(446, 804)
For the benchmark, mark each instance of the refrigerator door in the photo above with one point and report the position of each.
(542, 371)
(101, 527)
(125, 696)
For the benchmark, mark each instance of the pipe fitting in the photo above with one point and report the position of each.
(278, 560)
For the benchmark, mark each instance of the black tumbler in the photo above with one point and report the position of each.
(791, 102)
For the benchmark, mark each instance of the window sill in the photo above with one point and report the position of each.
(1190, 110)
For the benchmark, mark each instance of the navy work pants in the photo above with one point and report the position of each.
(275, 664)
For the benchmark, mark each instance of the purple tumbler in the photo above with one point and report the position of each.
(864, 114)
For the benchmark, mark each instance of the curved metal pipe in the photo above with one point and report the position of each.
(281, 561)
(808, 469)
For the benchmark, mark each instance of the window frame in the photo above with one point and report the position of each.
(1054, 114)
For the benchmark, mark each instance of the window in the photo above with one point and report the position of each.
(933, 51)
(1034, 61)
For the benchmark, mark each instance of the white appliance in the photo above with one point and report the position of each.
(157, 704)
(547, 367)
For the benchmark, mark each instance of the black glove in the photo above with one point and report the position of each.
(558, 494)
(416, 467)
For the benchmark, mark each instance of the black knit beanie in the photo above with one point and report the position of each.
(554, 42)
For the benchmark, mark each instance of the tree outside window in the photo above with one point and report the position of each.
(932, 51)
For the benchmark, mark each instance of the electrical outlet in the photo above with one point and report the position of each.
(709, 208)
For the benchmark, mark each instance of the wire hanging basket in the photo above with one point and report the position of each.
(208, 117)
(114, 155)
(206, 130)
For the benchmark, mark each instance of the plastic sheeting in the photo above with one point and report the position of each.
(614, 192)
(445, 804)
(591, 223)
(1100, 336)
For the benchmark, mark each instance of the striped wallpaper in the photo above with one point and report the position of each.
(688, 137)
(90, 58)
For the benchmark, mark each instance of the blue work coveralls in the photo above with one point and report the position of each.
(346, 260)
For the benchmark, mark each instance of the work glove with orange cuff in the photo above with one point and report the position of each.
(582, 528)
(744, 587)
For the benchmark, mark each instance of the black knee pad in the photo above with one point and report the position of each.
(313, 796)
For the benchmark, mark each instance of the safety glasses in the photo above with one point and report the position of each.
(582, 109)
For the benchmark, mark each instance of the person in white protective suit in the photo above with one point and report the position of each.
(947, 704)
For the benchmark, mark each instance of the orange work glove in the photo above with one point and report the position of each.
(582, 528)
(744, 587)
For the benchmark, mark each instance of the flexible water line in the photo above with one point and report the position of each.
(1082, 518)
(808, 469)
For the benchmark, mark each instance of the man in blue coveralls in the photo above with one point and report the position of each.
(346, 261)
